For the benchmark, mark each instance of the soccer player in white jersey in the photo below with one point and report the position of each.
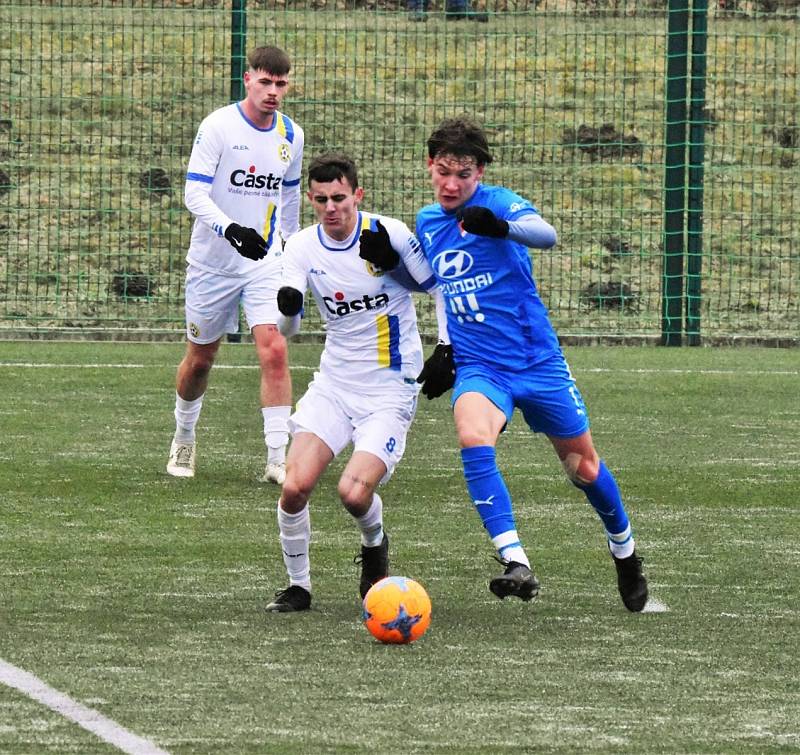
(365, 390)
(243, 187)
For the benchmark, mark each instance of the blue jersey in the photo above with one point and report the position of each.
(494, 313)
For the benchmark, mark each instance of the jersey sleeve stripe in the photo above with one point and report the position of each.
(292, 183)
(388, 341)
(200, 177)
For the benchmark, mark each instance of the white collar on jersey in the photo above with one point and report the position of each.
(333, 245)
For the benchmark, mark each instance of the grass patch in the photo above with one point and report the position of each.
(142, 595)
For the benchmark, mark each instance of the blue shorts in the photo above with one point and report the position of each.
(546, 395)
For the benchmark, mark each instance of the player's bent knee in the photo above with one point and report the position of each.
(293, 496)
(200, 365)
(355, 498)
(580, 470)
(469, 437)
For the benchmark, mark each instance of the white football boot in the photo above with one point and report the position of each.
(274, 473)
(181, 459)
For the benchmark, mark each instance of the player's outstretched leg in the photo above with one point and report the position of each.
(493, 504)
(606, 500)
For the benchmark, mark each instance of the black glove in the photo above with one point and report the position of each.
(377, 248)
(246, 241)
(483, 222)
(439, 372)
(290, 301)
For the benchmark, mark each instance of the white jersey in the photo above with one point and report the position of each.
(372, 338)
(241, 173)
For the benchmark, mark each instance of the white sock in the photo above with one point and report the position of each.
(622, 544)
(186, 415)
(295, 536)
(509, 547)
(276, 432)
(371, 523)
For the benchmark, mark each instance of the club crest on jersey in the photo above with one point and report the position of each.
(374, 271)
(338, 305)
(284, 153)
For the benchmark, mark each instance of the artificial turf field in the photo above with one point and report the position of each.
(141, 596)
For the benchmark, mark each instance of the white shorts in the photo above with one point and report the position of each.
(212, 301)
(376, 424)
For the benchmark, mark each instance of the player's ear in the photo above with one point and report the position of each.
(358, 194)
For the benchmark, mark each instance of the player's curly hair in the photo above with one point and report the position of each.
(461, 137)
(270, 59)
(333, 166)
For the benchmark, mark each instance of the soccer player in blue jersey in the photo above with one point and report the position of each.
(505, 353)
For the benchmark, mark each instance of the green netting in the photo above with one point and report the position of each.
(99, 103)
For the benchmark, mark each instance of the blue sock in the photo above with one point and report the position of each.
(604, 496)
(492, 500)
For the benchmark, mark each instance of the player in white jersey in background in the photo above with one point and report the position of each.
(243, 187)
(365, 390)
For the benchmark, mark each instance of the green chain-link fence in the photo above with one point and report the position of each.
(100, 100)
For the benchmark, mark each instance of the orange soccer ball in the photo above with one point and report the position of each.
(397, 610)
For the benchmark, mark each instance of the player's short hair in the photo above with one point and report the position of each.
(461, 137)
(269, 59)
(333, 166)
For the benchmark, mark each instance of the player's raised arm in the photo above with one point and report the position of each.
(530, 229)
(410, 256)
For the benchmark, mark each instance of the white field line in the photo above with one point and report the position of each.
(111, 366)
(89, 719)
(637, 371)
(655, 606)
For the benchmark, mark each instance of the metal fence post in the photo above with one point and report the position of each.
(694, 211)
(674, 173)
(238, 45)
